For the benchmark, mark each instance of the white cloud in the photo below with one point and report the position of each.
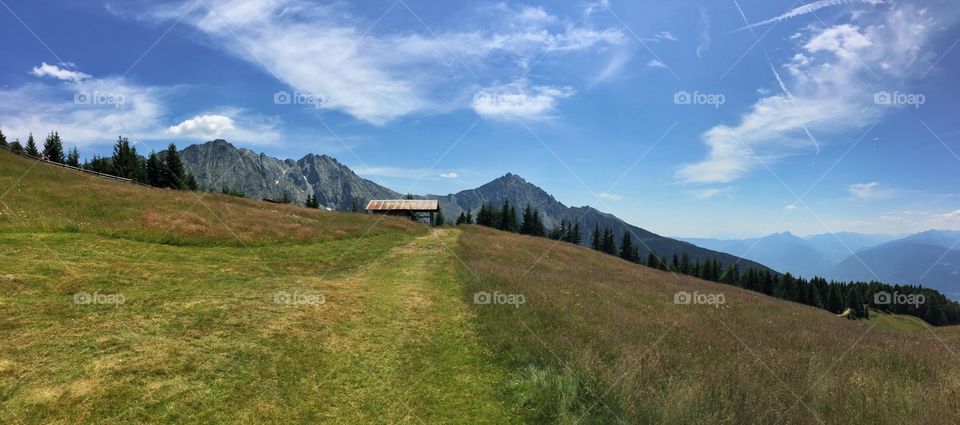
(204, 127)
(790, 207)
(869, 191)
(45, 70)
(230, 124)
(86, 112)
(450, 175)
(609, 196)
(376, 76)
(655, 63)
(519, 100)
(830, 91)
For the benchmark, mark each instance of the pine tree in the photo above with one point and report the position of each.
(439, 219)
(609, 243)
(596, 241)
(469, 216)
(126, 163)
(461, 219)
(526, 227)
(574, 235)
(73, 158)
(16, 147)
(685, 264)
(627, 250)
(652, 260)
(3, 139)
(174, 173)
(31, 148)
(155, 172)
(53, 148)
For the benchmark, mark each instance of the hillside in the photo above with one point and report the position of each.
(906, 261)
(241, 311)
(600, 340)
(521, 193)
(120, 303)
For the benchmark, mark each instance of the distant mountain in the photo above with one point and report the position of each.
(923, 258)
(839, 246)
(943, 238)
(521, 193)
(785, 252)
(219, 164)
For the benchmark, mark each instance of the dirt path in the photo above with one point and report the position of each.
(408, 352)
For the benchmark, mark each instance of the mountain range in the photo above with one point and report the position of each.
(218, 164)
(929, 258)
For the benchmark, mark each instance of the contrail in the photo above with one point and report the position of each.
(802, 10)
(790, 97)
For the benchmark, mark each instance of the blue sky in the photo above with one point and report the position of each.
(697, 119)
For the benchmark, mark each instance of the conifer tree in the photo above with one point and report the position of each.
(526, 227)
(155, 173)
(439, 219)
(596, 240)
(174, 173)
(469, 216)
(126, 163)
(627, 250)
(652, 260)
(609, 243)
(73, 158)
(31, 148)
(16, 147)
(685, 264)
(574, 235)
(53, 148)
(3, 139)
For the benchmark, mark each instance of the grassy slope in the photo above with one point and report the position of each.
(199, 338)
(601, 340)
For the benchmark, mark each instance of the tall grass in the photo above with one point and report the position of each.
(606, 342)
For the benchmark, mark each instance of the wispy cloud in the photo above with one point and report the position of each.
(655, 63)
(829, 90)
(609, 196)
(704, 194)
(519, 100)
(377, 76)
(450, 175)
(869, 191)
(803, 10)
(704, 30)
(65, 74)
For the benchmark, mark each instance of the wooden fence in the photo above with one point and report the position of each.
(70, 167)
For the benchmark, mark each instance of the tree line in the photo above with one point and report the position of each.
(854, 299)
(159, 169)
